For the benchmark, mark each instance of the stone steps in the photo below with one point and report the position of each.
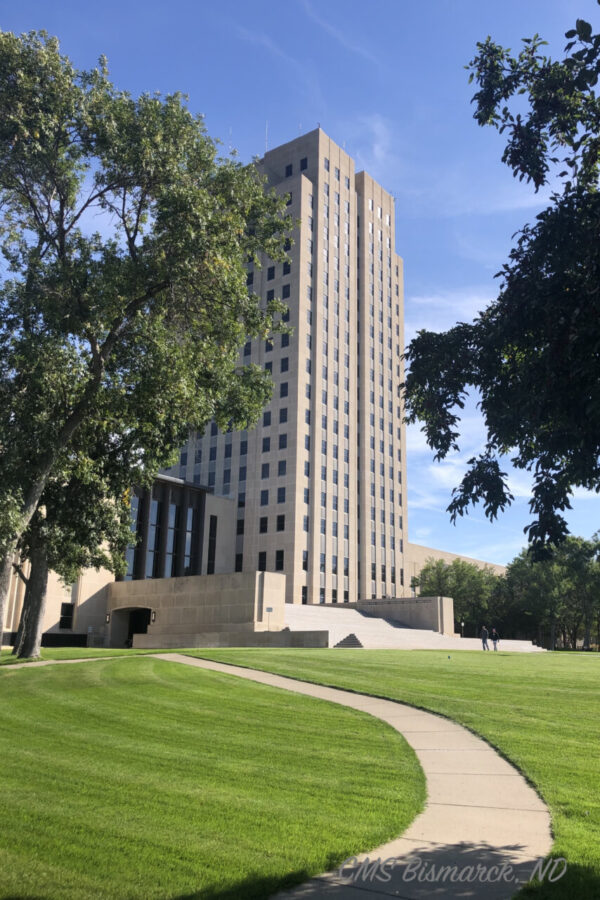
(350, 628)
(349, 641)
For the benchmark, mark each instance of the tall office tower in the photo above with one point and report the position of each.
(320, 482)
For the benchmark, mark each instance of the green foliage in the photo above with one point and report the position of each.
(470, 586)
(560, 595)
(533, 355)
(542, 600)
(125, 239)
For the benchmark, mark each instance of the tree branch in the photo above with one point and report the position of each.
(18, 569)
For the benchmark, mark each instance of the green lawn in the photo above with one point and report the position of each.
(541, 711)
(141, 778)
(7, 659)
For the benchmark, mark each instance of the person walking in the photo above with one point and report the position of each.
(484, 637)
(495, 638)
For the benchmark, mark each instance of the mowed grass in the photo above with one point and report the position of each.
(142, 778)
(7, 659)
(541, 711)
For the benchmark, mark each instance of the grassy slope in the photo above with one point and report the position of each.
(141, 778)
(541, 711)
(7, 659)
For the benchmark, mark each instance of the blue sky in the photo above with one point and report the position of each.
(387, 81)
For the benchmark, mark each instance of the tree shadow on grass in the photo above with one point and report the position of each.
(254, 887)
(430, 872)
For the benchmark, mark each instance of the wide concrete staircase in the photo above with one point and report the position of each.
(351, 628)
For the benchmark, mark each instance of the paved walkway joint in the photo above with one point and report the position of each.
(483, 829)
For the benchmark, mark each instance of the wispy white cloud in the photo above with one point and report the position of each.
(380, 147)
(342, 38)
(416, 441)
(462, 194)
(377, 147)
(434, 184)
(262, 39)
(495, 551)
(451, 188)
(520, 484)
(584, 494)
(304, 75)
(441, 310)
(421, 497)
(448, 472)
(488, 250)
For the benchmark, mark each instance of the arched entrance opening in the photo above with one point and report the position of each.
(126, 622)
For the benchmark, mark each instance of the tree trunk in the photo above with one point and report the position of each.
(587, 631)
(20, 625)
(34, 605)
(6, 570)
(573, 636)
(553, 634)
(19, 634)
(36, 489)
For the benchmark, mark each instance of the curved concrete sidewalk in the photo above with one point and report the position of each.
(480, 811)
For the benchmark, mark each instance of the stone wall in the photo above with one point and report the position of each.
(416, 555)
(285, 638)
(428, 613)
(199, 604)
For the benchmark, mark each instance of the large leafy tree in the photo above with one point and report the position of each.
(558, 595)
(534, 355)
(123, 299)
(79, 524)
(541, 599)
(471, 587)
(84, 517)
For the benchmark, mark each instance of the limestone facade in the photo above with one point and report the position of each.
(320, 483)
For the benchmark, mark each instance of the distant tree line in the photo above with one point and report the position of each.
(554, 602)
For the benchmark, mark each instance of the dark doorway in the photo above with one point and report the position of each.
(139, 619)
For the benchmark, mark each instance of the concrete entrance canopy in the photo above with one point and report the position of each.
(125, 621)
(238, 609)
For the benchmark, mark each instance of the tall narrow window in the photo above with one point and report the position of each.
(66, 615)
(172, 535)
(153, 540)
(130, 555)
(191, 540)
(212, 545)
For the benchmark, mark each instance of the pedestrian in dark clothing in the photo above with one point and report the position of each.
(495, 638)
(484, 637)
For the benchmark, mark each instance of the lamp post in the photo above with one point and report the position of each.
(462, 629)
